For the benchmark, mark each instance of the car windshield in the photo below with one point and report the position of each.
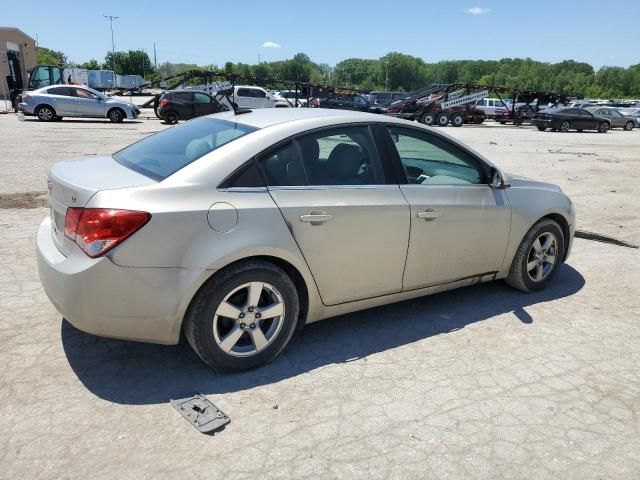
(166, 152)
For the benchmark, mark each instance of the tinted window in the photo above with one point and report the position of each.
(247, 177)
(244, 92)
(182, 96)
(201, 98)
(341, 156)
(164, 153)
(66, 91)
(259, 93)
(282, 167)
(429, 160)
(80, 92)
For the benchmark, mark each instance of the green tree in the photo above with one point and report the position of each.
(50, 57)
(91, 65)
(133, 62)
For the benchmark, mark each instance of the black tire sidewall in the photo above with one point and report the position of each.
(532, 235)
(201, 318)
(41, 107)
(119, 113)
(170, 116)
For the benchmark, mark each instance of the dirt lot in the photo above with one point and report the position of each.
(483, 382)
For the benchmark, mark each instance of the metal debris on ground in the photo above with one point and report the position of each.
(201, 413)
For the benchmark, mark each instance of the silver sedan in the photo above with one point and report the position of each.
(57, 101)
(238, 229)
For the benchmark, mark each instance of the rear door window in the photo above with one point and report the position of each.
(166, 152)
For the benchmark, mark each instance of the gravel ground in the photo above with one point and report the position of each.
(483, 382)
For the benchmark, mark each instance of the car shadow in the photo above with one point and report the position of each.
(137, 373)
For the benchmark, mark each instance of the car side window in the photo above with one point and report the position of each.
(244, 92)
(81, 93)
(283, 166)
(341, 156)
(428, 160)
(615, 114)
(201, 98)
(360, 101)
(182, 97)
(64, 91)
(259, 93)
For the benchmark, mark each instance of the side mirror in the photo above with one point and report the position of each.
(497, 180)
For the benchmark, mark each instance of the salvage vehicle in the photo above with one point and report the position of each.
(346, 102)
(617, 119)
(178, 105)
(58, 101)
(239, 228)
(565, 119)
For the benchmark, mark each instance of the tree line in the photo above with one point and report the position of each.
(397, 72)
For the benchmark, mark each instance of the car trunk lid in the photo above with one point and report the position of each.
(72, 184)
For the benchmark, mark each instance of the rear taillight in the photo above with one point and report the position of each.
(98, 230)
(164, 102)
(393, 110)
(26, 97)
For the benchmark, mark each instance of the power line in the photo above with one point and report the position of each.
(113, 44)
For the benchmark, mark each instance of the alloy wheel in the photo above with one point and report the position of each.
(45, 113)
(564, 127)
(248, 319)
(542, 257)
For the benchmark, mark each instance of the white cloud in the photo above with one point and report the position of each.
(271, 45)
(478, 11)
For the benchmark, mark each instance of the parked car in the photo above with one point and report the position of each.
(256, 97)
(346, 102)
(474, 115)
(239, 229)
(565, 119)
(615, 117)
(522, 114)
(489, 106)
(633, 113)
(384, 98)
(57, 101)
(290, 95)
(178, 105)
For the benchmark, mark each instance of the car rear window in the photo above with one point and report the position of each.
(166, 152)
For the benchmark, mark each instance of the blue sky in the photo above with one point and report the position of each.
(600, 33)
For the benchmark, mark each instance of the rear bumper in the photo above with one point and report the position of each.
(25, 108)
(104, 299)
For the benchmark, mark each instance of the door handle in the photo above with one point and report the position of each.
(316, 218)
(429, 214)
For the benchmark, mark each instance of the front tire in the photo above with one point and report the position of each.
(116, 115)
(538, 257)
(244, 317)
(628, 126)
(542, 129)
(565, 126)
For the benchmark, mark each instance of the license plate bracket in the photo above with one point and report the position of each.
(201, 413)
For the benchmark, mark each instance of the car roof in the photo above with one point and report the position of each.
(267, 117)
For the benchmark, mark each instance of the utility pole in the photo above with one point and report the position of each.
(155, 62)
(258, 59)
(113, 44)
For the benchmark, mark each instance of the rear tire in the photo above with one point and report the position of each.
(45, 113)
(442, 120)
(227, 331)
(531, 268)
(603, 127)
(428, 119)
(628, 126)
(457, 120)
(171, 117)
(542, 129)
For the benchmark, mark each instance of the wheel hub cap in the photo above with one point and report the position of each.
(542, 257)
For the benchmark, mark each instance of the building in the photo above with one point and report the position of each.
(17, 57)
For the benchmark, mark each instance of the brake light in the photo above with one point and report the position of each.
(164, 102)
(393, 110)
(26, 97)
(98, 230)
